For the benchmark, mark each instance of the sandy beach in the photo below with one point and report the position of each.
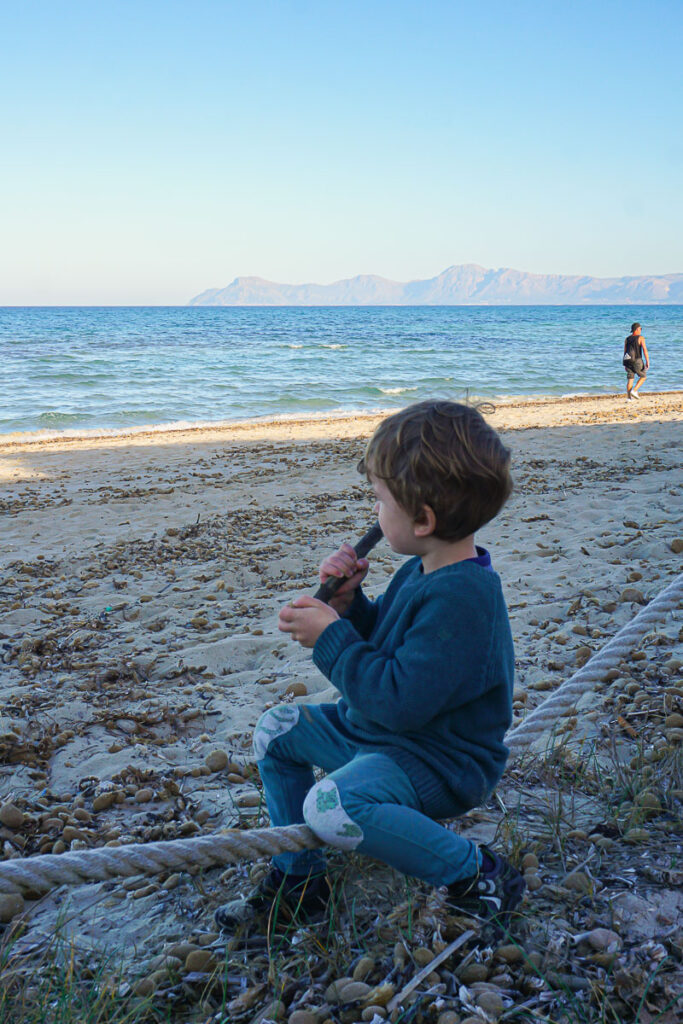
(141, 578)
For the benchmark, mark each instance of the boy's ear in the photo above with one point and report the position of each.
(425, 523)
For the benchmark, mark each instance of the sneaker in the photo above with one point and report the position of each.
(634, 394)
(490, 896)
(285, 897)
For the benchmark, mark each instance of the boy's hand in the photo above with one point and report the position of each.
(344, 563)
(305, 619)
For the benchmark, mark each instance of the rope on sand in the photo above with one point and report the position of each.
(34, 876)
(564, 698)
(38, 875)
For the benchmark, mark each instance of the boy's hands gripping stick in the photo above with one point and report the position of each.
(306, 617)
(346, 558)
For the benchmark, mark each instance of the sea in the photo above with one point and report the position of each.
(79, 371)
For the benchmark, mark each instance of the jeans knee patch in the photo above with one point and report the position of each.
(324, 814)
(273, 723)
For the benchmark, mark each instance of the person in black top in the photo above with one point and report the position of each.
(636, 360)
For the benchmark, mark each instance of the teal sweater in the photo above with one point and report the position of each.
(426, 674)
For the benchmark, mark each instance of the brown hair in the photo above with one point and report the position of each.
(445, 455)
(634, 327)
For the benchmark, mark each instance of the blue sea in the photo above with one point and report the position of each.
(74, 371)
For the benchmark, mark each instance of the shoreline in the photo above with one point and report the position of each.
(507, 412)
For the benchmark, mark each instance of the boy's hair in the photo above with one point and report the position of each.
(634, 327)
(445, 455)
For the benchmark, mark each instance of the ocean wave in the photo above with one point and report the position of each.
(395, 391)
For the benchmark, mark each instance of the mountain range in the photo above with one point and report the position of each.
(465, 285)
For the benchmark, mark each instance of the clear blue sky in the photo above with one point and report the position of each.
(154, 148)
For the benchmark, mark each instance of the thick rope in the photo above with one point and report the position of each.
(34, 876)
(564, 698)
(38, 875)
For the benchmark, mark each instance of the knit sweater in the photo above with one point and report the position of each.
(426, 674)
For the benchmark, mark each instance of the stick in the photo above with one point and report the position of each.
(331, 585)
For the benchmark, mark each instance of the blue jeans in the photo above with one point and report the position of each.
(366, 802)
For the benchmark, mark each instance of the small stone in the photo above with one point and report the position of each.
(632, 594)
(11, 816)
(217, 760)
(171, 882)
(637, 835)
(11, 904)
(181, 950)
(143, 796)
(582, 655)
(578, 881)
(491, 1003)
(354, 991)
(673, 721)
(448, 1017)
(103, 801)
(603, 939)
(422, 956)
(296, 690)
(472, 972)
(676, 545)
(529, 860)
(364, 967)
(510, 953)
(303, 1017)
(275, 1010)
(370, 1012)
(200, 960)
(333, 990)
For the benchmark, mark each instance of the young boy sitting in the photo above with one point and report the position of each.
(425, 674)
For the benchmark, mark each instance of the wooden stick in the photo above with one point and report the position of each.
(331, 585)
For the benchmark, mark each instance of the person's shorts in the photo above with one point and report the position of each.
(636, 368)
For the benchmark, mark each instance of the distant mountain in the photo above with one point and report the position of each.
(465, 285)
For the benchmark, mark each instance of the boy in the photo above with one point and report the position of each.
(425, 673)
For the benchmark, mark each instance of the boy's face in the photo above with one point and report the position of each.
(397, 526)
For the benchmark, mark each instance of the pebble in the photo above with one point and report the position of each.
(364, 967)
(578, 881)
(200, 960)
(274, 1010)
(296, 690)
(11, 904)
(422, 956)
(472, 972)
(217, 760)
(103, 801)
(674, 721)
(303, 1017)
(491, 1003)
(250, 799)
(529, 860)
(632, 594)
(333, 990)
(677, 545)
(602, 939)
(582, 655)
(448, 1017)
(637, 835)
(510, 953)
(11, 816)
(143, 796)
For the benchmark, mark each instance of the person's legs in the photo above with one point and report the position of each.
(370, 805)
(629, 382)
(288, 741)
(641, 378)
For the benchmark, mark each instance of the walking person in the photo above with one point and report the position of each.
(636, 360)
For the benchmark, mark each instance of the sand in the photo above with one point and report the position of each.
(141, 577)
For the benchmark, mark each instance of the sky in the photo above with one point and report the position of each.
(152, 149)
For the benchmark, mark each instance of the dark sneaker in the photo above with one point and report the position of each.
(284, 897)
(490, 896)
